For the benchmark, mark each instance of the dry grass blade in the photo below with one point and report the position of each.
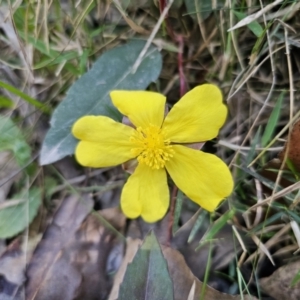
(191, 295)
(277, 195)
(262, 247)
(152, 35)
(238, 236)
(296, 231)
(255, 16)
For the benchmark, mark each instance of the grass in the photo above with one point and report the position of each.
(47, 45)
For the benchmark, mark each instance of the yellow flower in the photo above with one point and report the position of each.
(155, 142)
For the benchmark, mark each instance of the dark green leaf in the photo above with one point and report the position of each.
(12, 139)
(254, 143)
(216, 227)
(16, 214)
(6, 102)
(273, 120)
(90, 94)
(147, 277)
(25, 97)
(253, 26)
(202, 7)
(259, 42)
(296, 279)
(178, 206)
(203, 216)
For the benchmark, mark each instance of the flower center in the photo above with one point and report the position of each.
(151, 147)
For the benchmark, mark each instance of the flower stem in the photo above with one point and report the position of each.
(172, 211)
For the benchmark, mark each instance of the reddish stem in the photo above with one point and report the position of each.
(179, 39)
(162, 5)
(172, 211)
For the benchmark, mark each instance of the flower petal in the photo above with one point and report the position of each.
(197, 116)
(146, 194)
(104, 142)
(203, 177)
(141, 107)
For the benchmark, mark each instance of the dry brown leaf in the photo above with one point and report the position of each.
(293, 146)
(270, 170)
(183, 280)
(99, 252)
(49, 252)
(61, 281)
(12, 266)
(72, 260)
(223, 248)
(278, 285)
(115, 217)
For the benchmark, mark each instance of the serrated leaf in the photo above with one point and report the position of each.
(12, 139)
(89, 95)
(16, 214)
(147, 277)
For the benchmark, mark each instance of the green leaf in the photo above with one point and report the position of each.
(16, 214)
(89, 95)
(216, 227)
(295, 279)
(12, 139)
(178, 206)
(253, 26)
(147, 277)
(259, 42)
(25, 97)
(202, 7)
(6, 102)
(254, 143)
(200, 220)
(273, 120)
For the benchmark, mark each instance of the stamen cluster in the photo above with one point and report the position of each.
(151, 146)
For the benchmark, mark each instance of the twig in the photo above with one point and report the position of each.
(152, 35)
